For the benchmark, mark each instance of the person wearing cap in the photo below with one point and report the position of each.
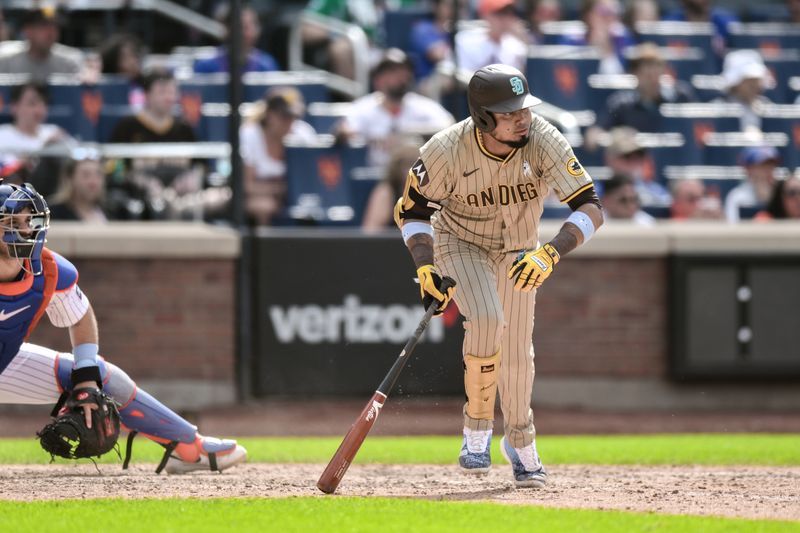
(253, 59)
(605, 32)
(621, 201)
(760, 163)
(42, 54)
(626, 155)
(503, 41)
(392, 110)
(261, 140)
(745, 77)
(638, 108)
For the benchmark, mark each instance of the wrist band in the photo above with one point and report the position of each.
(584, 223)
(413, 228)
(85, 355)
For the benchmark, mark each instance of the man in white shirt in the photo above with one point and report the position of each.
(28, 133)
(393, 110)
(760, 163)
(502, 42)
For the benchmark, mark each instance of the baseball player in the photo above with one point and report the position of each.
(35, 281)
(471, 210)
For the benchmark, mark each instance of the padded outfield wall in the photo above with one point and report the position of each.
(640, 318)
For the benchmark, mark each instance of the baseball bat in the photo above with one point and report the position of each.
(341, 460)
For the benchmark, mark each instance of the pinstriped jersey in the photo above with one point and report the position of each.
(493, 202)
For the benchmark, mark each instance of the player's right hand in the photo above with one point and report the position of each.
(430, 285)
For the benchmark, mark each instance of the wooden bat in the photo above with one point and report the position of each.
(338, 465)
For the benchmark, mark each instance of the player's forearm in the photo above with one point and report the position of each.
(84, 331)
(421, 247)
(570, 235)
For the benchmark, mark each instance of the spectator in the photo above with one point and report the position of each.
(625, 155)
(429, 44)
(392, 110)
(254, 60)
(760, 163)
(121, 55)
(155, 122)
(540, 12)
(745, 78)
(784, 203)
(380, 206)
(640, 11)
(638, 108)
(42, 55)
(4, 33)
(503, 42)
(691, 201)
(793, 6)
(82, 192)
(621, 202)
(702, 11)
(28, 132)
(263, 153)
(605, 32)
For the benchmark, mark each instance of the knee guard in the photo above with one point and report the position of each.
(480, 385)
(139, 411)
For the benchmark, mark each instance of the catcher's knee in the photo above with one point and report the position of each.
(116, 383)
(480, 385)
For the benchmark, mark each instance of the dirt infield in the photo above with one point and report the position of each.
(745, 492)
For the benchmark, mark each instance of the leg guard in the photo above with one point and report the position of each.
(480, 385)
(139, 411)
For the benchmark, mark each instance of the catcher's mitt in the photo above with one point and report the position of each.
(67, 435)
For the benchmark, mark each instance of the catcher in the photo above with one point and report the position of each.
(93, 396)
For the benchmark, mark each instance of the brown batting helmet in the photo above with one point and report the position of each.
(499, 89)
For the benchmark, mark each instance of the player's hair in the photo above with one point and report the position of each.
(18, 91)
(156, 76)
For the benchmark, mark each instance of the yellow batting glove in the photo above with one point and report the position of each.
(530, 269)
(430, 283)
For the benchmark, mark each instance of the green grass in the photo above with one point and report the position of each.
(331, 514)
(694, 449)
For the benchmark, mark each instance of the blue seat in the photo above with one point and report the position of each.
(681, 35)
(556, 212)
(767, 38)
(657, 211)
(558, 74)
(114, 90)
(397, 26)
(786, 120)
(783, 66)
(319, 183)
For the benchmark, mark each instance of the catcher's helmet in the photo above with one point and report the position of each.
(498, 88)
(24, 220)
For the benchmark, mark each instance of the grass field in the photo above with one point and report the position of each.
(334, 514)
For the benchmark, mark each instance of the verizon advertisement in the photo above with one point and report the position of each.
(332, 312)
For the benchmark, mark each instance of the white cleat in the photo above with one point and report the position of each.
(211, 454)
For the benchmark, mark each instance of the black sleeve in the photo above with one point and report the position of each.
(589, 196)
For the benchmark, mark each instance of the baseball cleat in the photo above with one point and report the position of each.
(475, 457)
(528, 469)
(206, 453)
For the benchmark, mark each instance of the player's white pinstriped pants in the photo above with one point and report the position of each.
(31, 376)
(497, 316)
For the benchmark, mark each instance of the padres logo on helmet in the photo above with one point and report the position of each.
(497, 89)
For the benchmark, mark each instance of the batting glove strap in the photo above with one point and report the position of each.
(430, 283)
(530, 269)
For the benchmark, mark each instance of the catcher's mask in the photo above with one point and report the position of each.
(24, 220)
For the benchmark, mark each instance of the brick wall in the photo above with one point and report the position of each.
(603, 317)
(161, 318)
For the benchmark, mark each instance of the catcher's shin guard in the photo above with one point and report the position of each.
(139, 411)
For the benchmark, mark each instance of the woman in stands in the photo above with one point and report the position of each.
(378, 212)
(122, 55)
(784, 202)
(82, 191)
(263, 152)
(28, 133)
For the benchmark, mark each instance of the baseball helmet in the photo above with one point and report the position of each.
(24, 221)
(499, 89)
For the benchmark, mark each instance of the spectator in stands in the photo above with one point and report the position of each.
(392, 110)
(539, 12)
(745, 78)
(122, 55)
(380, 206)
(503, 41)
(703, 11)
(605, 32)
(156, 121)
(263, 153)
(793, 6)
(690, 200)
(42, 55)
(429, 45)
(784, 202)
(638, 108)
(82, 192)
(254, 60)
(640, 11)
(621, 202)
(4, 33)
(626, 155)
(760, 163)
(28, 132)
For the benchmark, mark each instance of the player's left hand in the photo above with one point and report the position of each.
(530, 269)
